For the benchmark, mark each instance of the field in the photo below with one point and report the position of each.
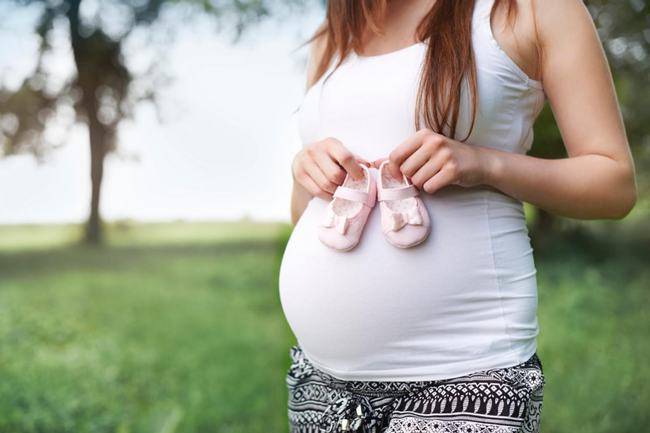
(178, 328)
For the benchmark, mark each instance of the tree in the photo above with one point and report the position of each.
(102, 91)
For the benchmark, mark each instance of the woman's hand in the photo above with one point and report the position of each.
(322, 166)
(432, 161)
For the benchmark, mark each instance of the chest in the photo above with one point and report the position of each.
(369, 103)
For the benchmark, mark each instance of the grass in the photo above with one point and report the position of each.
(594, 300)
(184, 334)
(178, 328)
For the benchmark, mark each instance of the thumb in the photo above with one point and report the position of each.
(376, 163)
(392, 167)
(363, 161)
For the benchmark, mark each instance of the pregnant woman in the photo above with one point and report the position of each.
(411, 289)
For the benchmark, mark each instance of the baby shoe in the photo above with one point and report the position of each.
(404, 218)
(348, 212)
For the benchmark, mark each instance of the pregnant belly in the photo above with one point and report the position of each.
(382, 310)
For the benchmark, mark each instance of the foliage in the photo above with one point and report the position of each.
(104, 89)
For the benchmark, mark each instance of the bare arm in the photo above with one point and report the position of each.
(596, 180)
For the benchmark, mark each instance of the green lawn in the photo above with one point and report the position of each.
(178, 328)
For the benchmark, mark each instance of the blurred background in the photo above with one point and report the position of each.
(145, 150)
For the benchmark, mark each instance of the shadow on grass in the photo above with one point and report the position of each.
(89, 258)
(123, 337)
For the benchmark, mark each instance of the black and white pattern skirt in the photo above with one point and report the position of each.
(507, 400)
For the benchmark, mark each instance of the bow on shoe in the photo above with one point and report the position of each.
(340, 222)
(397, 220)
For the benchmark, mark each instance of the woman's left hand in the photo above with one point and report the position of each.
(432, 161)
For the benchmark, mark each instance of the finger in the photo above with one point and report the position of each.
(346, 159)
(394, 170)
(426, 172)
(443, 178)
(414, 162)
(333, 172)
(430, 168)
(407, 147)
(312, 188)
(315, 173)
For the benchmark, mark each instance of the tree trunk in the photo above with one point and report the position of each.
(94, 232)
(87, 80)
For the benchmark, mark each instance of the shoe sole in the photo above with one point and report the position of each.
(405, 247)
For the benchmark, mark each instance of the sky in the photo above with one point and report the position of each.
(222, 151)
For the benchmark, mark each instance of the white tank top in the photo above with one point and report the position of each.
(463, 301)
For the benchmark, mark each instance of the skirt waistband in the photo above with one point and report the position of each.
(302, 367)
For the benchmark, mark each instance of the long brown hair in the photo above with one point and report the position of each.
(449, 64)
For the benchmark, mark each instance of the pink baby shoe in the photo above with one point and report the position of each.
(348, 212)
(404, 218)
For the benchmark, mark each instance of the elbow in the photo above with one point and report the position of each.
(626, 198)
(625, 205)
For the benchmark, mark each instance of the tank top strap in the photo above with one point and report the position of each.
(484, 40)
(481, 17)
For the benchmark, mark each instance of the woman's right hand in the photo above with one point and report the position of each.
(322, 166)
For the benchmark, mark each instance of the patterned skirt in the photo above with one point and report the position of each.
(506, 400)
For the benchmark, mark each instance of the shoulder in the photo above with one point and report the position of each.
(538, 27)
(561, 20)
